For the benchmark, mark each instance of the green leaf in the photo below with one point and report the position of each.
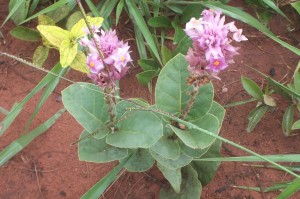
(146, 76)
(218, 111)
(194, 153)
(171, 90)
(26, 34)
(166, 54)
(191, 11)
(272, 5)
(85, 102)
(119, 10)
(183, 46)
(138, 19)
(207, 170)
(160, 22)
(148, 64)
(297, 81)
(53, 7)
(67, 52)
(45, 20)
(136, 133)
(77, 30)
(40, 55)
(173, 176)
(190, 188)
(17, 10)
(97, 190)
(79, 63)
(59, 13)
(73, 19)
(96, 150)
(288, 120)
(167, 148)
(196, 139)
(179, 33)
(296, 125)
(255, 116)
(33, 6)
(16, 146)
(204, 98)
(296, 6)
(290, 190)
(55, 35)
(140, 161)
(181, 161)
(252, 88)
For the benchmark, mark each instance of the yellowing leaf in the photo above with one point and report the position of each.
(45, 20)
(67, 52)
(54, 34)
(79, 63)
(78, 29)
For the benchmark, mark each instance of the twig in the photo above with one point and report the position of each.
(38, 182)
(129, 192)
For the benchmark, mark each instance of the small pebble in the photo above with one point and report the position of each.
(224, 90)
(58, 98)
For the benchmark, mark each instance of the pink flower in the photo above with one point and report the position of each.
(121, 57)
(217, 64)
(94, 63)
(212, 49)
(111, 64)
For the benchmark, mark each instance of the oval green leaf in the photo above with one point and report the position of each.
(190, 188)
(96, 150)
(252, 88)
(173, 176)
(139, 129)
(196, 139)
(85, 102)
(288, 120)
(26, 34)
(140, 161)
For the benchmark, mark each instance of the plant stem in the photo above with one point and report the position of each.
(109, 90)
(190, 103)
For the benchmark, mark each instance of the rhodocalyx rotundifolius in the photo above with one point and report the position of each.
(144, 134)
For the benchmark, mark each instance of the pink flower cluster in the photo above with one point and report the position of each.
(212, 50)
(112, 64)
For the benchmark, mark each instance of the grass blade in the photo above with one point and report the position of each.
(46, 10)
(18, 108)
(240, 103)
(3, 111)
(19, 144)
(33, 6)
(274, 158)
(272, 5)
(49, 89)
(275, 187)
(97, 190)
(12, 12)
(290, 190)
(105, 11)
(140, 22)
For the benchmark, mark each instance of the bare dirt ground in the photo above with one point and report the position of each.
(49, 166)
